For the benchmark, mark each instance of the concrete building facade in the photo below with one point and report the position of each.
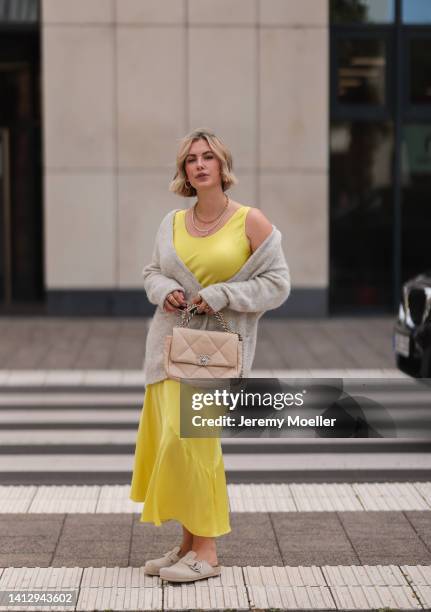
(325, 104)
(124, 80)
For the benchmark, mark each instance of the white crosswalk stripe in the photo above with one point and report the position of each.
(77, 425)
(130, 378)
(101, 463)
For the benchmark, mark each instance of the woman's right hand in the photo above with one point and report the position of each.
(174, 301)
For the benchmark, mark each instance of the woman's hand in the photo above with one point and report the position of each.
(174, 301)
(202, 305)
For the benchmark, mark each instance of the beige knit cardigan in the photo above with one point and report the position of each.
(263, 283)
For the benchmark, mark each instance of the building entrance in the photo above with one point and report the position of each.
(380, 151)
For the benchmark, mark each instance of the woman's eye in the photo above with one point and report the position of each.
(190, 160)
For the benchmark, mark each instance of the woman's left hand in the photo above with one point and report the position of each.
(202, 305)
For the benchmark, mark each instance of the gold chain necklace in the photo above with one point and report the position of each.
(206, 231)
(212, 220)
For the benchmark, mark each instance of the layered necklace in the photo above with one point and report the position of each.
(217, 221)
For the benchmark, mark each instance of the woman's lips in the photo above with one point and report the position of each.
(203, 176)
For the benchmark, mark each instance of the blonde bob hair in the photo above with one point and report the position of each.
(179, 184)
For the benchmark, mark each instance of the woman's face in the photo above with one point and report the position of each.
(202, 166)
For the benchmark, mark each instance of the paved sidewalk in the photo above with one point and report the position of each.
(317, 588)
(298, 546)
(355, 546)
(119, 344)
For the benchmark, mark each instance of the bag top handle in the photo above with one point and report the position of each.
(188, 313)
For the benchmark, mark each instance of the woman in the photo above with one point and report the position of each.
(219, 255)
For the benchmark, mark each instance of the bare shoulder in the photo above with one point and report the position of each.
(257, 227)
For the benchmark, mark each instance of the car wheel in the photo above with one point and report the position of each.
(408, 365)
(425, 367)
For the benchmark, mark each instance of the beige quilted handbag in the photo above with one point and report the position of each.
(197, 353)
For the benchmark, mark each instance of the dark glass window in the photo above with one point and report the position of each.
(420, 70)
(21, 273)
(361, 64)
(380, 197)
(361, 248)
(362, 11)
(416, 190)
(19, 11)
(4, 208)
(416, 11)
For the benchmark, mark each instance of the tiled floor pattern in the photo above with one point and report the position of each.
(289, 588)
(295, 497)
(117, 343)
(359, 546)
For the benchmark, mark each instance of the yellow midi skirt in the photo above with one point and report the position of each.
(180, 479)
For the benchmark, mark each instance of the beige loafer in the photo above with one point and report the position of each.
(153, 566)
(188, 569)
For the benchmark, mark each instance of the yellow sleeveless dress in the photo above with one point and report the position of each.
(183, 479)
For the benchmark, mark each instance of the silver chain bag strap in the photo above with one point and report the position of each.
(198, 353)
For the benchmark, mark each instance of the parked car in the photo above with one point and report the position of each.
(412, 330)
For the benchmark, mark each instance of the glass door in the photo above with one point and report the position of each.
(21, 248)
(361, 170)
(5, 220)
(416, 151)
